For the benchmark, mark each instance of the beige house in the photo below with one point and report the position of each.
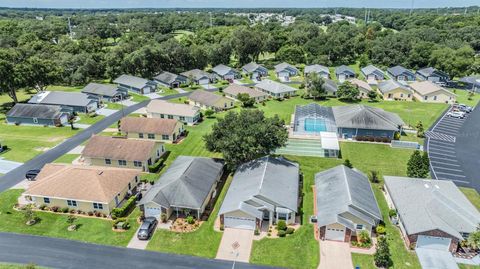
(122, 152)
(362, 86)
(427, 91)
(208, 100)
(163, 130)
(85, 188)
(234, 90)
(182, 112)
(394, 90)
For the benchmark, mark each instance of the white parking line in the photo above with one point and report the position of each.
(452, 123)
(455, 175)
(449, 169)
(440, 158)
(449, 155)
(444, 163)
(443, 150)
(445, 129)
(458, 180)
(442, 142)
(440, 146)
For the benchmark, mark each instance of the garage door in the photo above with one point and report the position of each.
(434, 79)
(335, 234)
(204, 81)
(153, 212)
(433, 242)
(239, 223)
(229, 77)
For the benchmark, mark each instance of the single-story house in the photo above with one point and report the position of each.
(165, 110)
(226, 72)
(471, 82)
(122, 152)
(400, 73)
(431, 213)
(394, 90)
(427, 91)
(275, 89)
(344, 72)
(208, 100)
(33, 114)
(362, 86)
(321, 70)
(80, 187)
(233, 90)
(69, 101)
(285, 71)
(372, 73)
(358, 120)
(163, 130)
(330, 87)
(265, 189)
(433, 75)
(199, 77)
(135, 84)
(104, 92)
(170, 79)
(186, 188)
(255, 70)
(345, 204)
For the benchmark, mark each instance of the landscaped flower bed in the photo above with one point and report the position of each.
(185, 225)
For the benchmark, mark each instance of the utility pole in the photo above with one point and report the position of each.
(411, 7)
(365, 16)
(70, 28)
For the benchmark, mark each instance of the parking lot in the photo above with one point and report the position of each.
(441, 147)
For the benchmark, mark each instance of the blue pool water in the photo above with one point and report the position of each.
(315, 125)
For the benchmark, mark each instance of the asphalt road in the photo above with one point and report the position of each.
(60, 253)
(18, 174)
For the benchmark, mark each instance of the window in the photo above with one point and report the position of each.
(97, 206)
(122, 162)
(140, 135)
(409, 95)
(162, 116)
(435, 98)
(35, 120)
(401, 95)
(136, 179)
(137, 163)
(425, 98)
(165, 137)
(108, 161)
(151, 136)
(71, 203)
(359, 227)
(170, 117)
(182, 118)
(129, 185)
(283, 216)
(46, 200)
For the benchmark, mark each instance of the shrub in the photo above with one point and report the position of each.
(125, 209)
(90, 213)
(73, 211)
(290, 230)
(373, 176)
(281, 225)
(65, 209)
(347, 163)
(163, 218)
(392, 213)
(54, 208)
(42, 207)
(281, 233)
(380, 229)
(154, 168)
(382, 254)
(4, 147)
(209, 113)
(222, 227)
(98, 214)
(190, 220)
(257, 232)
(124, 221)
(397, 136)
(364, 238)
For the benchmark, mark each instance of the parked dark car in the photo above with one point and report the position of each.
(147, 228)
(32, 174)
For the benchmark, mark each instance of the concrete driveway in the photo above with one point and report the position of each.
(137, 243)
(335, 255)
(6, 166)
(240, 237)
(152, 95)
(105, 111)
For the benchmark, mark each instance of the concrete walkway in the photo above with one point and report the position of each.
(242, 239)
(127, 102)
(180, 90)
(6, 165)
(137, 243)
(22, 185)
(335, 255)
(77, 150)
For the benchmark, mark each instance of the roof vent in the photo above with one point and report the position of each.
(100, 173)
(426, 185)
(436, 186)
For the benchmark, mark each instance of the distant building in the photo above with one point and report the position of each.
(234, 90)
(171, 80)
(426, 91)
(135, 84)
(275, 89)
(33, 114)
(187, 114)
(69, 101)
(321, 70)
(433, 75)
(104, 92)
(225, 72)
(208, 100)
(255, 70)
(400, 73)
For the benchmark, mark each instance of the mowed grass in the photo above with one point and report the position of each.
(92, 230)
(67, 158)
(20, 266)
(462, 98)
(85, 119)
(472, 195)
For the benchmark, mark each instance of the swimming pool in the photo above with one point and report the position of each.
(315, 125)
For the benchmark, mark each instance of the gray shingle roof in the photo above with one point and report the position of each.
(316, 68)
(429, 71)
(342, 192)
(35, 111)
(283, 66)
(371, 69)
(251, 67)
(472, 80)
(274, 87)
(101, 89)
(390, 85)
(399, 70)
(425, 205)
(61, 98)
(266, 181)
(330, 86)
(235, 89)
(169, 78)
(223, 70)
(132, 81)
(206, 98)
(366, 117)
(197, 74)
(343, 69)
(186, 183)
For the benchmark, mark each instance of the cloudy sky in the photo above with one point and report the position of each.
(233, 3)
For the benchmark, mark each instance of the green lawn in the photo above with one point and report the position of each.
(91, 230)
(64, 88)
(115, 106)
(20, 266)
(166, 91)
(180, 34)
(462, 98)
(472, 195)
(67, 158)
(466, 266)
(363, 260)
(85, 119)
(138, 97)
(246, 80)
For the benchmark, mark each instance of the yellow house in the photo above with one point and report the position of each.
(427, 91)
(362, 86)
(394, 90)
(208, 100)
(163, 130)
(84, 188)
(122, 152)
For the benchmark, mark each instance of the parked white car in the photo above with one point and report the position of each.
(456, 114)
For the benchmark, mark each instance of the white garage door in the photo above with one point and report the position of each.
(341, 78)
(433, 242)
(153, 212)
(284, 74)
(203, 81)
(434, 79)
(335, 234)
(239, 223)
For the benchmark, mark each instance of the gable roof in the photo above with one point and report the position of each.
(316, 68)
(222, 70)
(168, 78)
(118, 148)
(344, 69)
(330, 86)
(132, 81)
(361, 84)
(100, 89)
(186, 183)
(471, 80)
(35, 111)
(274, 87)
(282, 66)
(371, 69)
(399, 70)
(425, 205)
(207, 98)
(390, 85)
(427, 87)
(342, 191)
(164, 107)
(81, 182)
(430, 71)
(263, 182)
(61, 98)
(235, 89)
(252, 66)
(197, 74)
(366, 117)
(148, 125)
